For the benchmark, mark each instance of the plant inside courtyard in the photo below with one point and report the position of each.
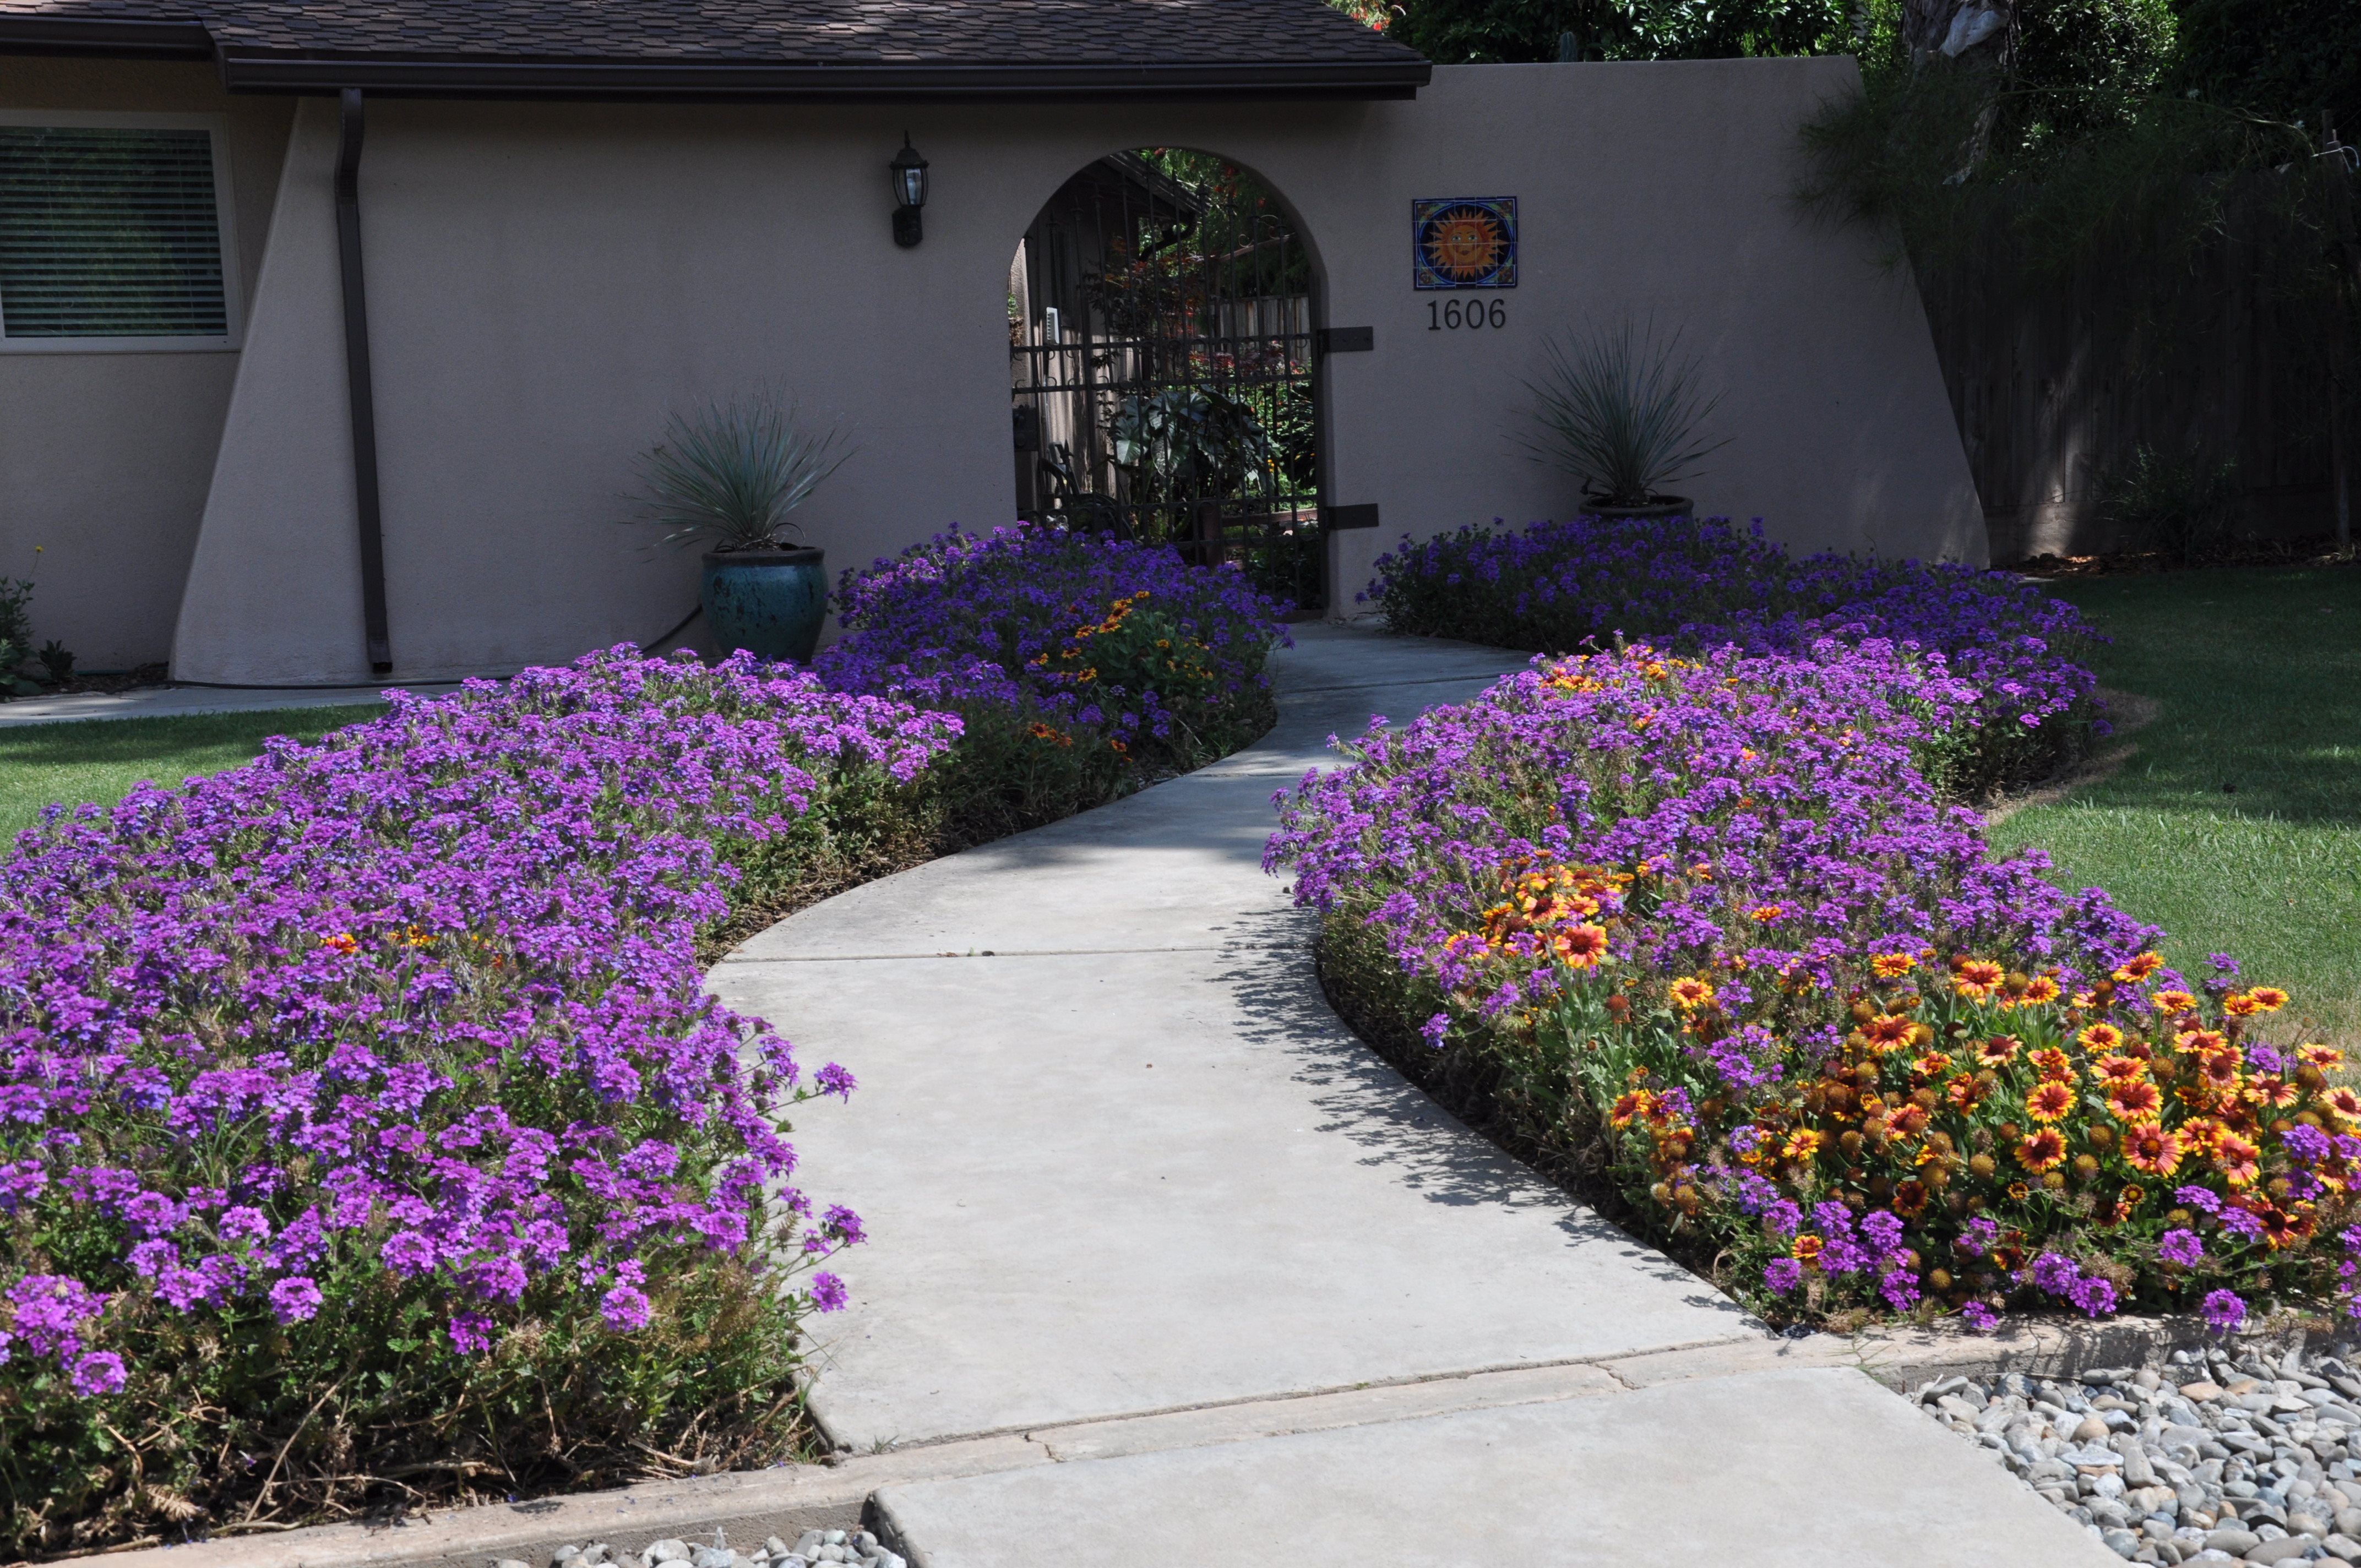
(1699, 930)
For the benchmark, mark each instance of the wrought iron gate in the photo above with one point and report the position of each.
(1161, 366)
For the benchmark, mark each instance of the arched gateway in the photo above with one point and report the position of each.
(1161, 363)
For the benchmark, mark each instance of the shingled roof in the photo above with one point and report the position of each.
(1021, 50)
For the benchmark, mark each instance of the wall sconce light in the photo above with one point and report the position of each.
(909, 173)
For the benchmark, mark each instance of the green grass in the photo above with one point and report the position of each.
(2234, 820)
(99, 759)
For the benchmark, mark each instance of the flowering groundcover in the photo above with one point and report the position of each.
(1081, 665)
(1686, 583)
(366, 1136)
(1699, 933)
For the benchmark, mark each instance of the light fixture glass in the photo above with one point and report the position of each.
(909, 175)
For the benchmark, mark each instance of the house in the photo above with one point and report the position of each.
(330, 329)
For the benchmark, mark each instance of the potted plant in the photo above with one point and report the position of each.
(729, 475)
(1619, 413)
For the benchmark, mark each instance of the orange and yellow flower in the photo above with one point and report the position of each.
(1999, 1050)
(2042, 989)
(2269, 998)
(2043, 1151)
(2139, 969)
(2151, 1150)
(2173, 1001)
(2240, 1005)
(2340, 1103)
(2054, 1065)
(2100, 1039)
(1806, 1248)
(1976, 979)
(2134, 1102)
(1579, 947)
(1890, 966)
(1887, 1032)
(2049, 1102)
(2200, 1042)
(2239, 1160)
(1802, 1145)
(1689, 993)
(2320, 1056)
(2121, 1069)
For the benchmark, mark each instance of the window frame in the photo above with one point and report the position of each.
(216, 128)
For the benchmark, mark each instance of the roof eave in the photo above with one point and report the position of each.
(708, 81)
(105, 39)
(755, 80)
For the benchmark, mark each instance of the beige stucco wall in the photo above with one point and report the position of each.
(105, 457)
(546, 282)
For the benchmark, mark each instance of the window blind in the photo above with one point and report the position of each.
(109, 231)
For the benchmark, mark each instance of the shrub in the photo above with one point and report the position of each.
(2182, 507)
(1689, 585)
(1621, 415)
(367, 1133)
(1081, 665)
(1698, 929)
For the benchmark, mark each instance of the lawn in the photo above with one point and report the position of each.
(2234, 817)
(99, 759)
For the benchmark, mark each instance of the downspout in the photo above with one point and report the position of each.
(357, 377)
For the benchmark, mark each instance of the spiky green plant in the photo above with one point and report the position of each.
(730, 473)
(1620, 412)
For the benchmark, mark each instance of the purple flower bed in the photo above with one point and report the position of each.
(1704, 925)
(1124, 644)
(382, 1069)
(1689, 584)
(1082, 666)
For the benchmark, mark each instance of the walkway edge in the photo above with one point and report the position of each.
(750, 1504)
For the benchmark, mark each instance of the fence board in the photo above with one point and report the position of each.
(2055, 382)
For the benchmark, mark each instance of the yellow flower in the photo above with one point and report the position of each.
(1890, 966)
(1690, 993)
(2270, 998)
(2041, 989)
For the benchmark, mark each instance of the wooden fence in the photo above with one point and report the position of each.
(2055, 382)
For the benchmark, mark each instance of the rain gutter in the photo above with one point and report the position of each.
(358, 381)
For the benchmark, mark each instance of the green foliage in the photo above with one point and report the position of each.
(1620, 412)
(2282, 60)
(731, 472)
(2180, 506)
(1456, 32)
(57, 660)
(1184, 442)
(15, 632)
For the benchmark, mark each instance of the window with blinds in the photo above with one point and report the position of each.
(109, 231)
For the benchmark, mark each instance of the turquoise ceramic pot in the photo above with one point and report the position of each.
(770, 602)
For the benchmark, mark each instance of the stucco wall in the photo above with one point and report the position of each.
(546, 282)
(105, 457)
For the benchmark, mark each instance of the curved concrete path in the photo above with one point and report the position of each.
(1140, 1203)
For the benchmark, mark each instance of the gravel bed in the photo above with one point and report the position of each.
(813, 1548)
(2206, 1458)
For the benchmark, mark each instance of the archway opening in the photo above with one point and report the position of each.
(1161, 367)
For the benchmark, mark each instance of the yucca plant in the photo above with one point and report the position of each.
(1617, 410)
(729, 474)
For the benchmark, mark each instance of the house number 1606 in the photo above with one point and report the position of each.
(1475, 314)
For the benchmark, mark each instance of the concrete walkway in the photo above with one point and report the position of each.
(165, 702)
(1127, 1174)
